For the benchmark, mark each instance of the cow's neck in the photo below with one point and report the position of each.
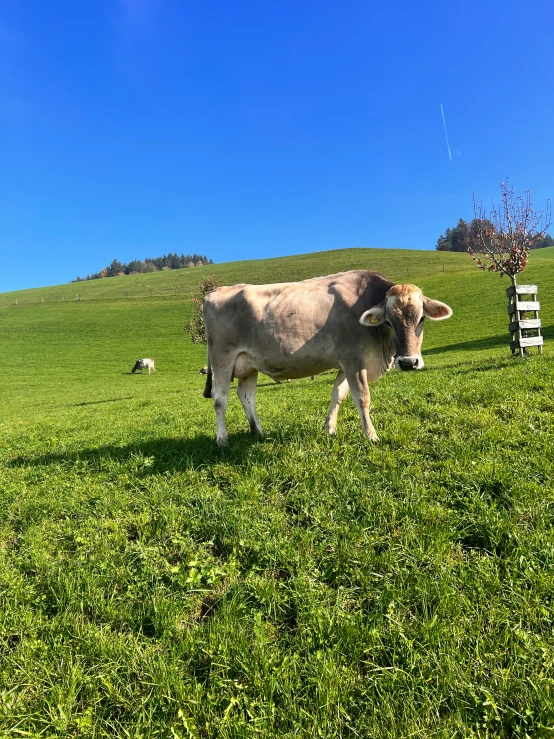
(380, 356)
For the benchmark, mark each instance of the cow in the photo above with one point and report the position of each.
(141, 364)
(358, 322)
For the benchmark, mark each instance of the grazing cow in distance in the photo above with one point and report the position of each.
(359, 323)
(142, 364)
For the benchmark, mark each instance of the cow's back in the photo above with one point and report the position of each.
(292, 326)
(307, 300)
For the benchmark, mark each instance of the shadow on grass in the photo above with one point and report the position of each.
(160, 455)
(489, 342)
(463, 367)
(108, 400)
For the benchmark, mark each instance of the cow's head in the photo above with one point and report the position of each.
(404, 310)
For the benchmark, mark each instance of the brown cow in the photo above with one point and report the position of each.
(357, 322)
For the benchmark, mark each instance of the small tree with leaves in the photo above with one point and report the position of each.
(501, 239)
(195, 327)
(501, 243)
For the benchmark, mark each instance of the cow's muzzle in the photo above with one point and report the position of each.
(409, 363)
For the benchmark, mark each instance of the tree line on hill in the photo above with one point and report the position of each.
(156, 264)
(466, 234)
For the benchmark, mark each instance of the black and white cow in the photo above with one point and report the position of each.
(142, 364)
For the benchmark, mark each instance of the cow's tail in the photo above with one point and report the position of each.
(208, 386)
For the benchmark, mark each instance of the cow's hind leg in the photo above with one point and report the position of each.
(340, 391)
(357, 381)
(247, 393)
(222, 376)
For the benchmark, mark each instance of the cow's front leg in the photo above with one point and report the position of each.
(340, 391)
(357, 381)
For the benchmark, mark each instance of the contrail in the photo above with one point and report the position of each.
(445, 134)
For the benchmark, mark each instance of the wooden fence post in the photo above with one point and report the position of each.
(520, 324)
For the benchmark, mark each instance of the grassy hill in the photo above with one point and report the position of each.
(154, 585)
(398, 264)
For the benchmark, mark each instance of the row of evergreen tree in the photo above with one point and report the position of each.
(457, 238)
(149, 264)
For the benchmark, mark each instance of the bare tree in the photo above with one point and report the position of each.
(501, 238)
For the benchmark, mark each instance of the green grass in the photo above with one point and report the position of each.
(154, 585)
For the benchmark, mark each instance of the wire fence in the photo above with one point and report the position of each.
(91, 293)
(98, 296)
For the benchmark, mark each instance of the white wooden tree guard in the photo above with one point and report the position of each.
(525, 330)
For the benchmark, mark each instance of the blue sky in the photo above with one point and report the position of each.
(129, 128)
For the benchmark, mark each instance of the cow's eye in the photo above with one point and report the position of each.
(422, 319)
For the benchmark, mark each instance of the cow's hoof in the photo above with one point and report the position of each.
(256, 429)
(222, 440)
(373, 437)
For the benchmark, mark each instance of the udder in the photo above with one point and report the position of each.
(243, 366)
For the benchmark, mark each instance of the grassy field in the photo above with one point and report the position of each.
(154, 585)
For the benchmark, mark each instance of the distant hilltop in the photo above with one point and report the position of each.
(157, 264)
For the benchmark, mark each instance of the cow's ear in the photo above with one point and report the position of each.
(435, 310)
(374, 316)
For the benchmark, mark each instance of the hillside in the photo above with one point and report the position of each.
(121, 318)
(397, 264)
(152, 584)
